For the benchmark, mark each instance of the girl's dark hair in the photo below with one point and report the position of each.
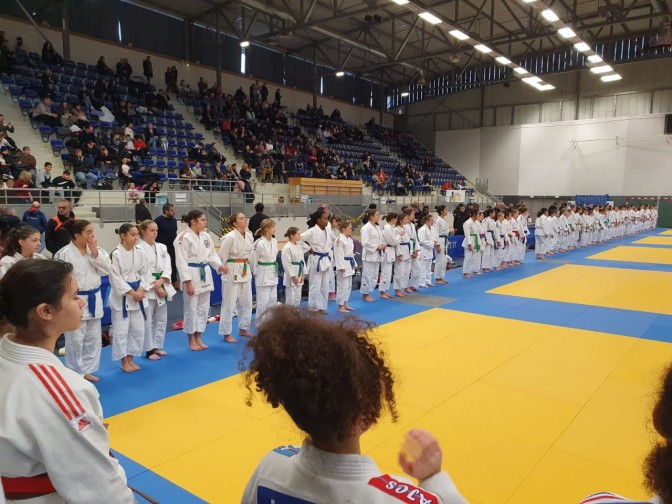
(658, 464)
(291, 232)
(473, 212)
(440, 208)
(542, 212)
(125, 228)
(326, 374)
(12, 245)
(75, 227)
(315, 216)
(368, 214)
(28, 284)
(390, 216)
(488, 212)
(192, 216)
(522, 209)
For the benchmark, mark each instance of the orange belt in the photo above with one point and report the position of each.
(28, 487)
(245, 262)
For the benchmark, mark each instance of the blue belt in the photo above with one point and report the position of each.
(352, 262)
(321, 256)
(124, 311)
(492, 233)
(90, 299)
(201, 266)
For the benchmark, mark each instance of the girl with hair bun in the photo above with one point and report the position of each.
(194, 255)
(264, 265)
(345, 266)
(334, 383)
(427, 249)
(320, 241)
(540, 234)
(402, 265)
(391, 239)
(161, 291)
(129, 286)
(90, 263)
(442, 231)
(234, 252)
(22, 242)
(294, 266)
(55, 447)
(373, 253)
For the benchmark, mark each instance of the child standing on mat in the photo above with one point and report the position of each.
(345, 266)
(402, 264)
(294, 266)
(373, 251)
(391, 239)
(264, 265)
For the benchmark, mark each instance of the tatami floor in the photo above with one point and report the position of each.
(538, 381)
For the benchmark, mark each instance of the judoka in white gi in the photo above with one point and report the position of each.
(90, 263)
(319, 241)
(402, 264)
(294, 266)
(194, 255)
(128, 290)
(373, 252)
(235, 249)
(471, 245)
(391, 239)
(427, 250)
(54, 447)
(344, 259)
(441, 231)
(264, 264)
(21, 243)
(160, 292)
(539, 233)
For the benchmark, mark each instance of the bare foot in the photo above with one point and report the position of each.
(126, 368)
(245, 333)
(429, 285)
(135, 366)
(385, 295)
(409, 290)
(349, 308)
(195, 347)
(91, 378)
(230, 339)
(342, 309)
(442, 282)
(467, 275)
(162, 353)
(154, 356)
(398, 293)
(203, 345)
(368, 298)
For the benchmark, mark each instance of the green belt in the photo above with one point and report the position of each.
(274, 263)
(477, 246)
(238, 261)
(300, 265)
(157, 276)
(414, 241)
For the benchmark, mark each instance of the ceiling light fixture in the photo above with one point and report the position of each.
(582, 47)
(459, 35)
(610, 78)
(503, 60)
(245, 43)
(429, 17)
(566, 33)
(549, 15)
(594, 58)
(482, 48)
(400, 2)
(340, 73)
(520, 70)
(405, 94)
(601, 69)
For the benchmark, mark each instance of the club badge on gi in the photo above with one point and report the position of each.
(206, 242)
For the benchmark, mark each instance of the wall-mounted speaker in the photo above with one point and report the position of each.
(668, 124)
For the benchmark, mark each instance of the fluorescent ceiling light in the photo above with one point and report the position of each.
(340, 73)
(520, 70)
(428, 16)
(566, 32)
(601, 69)
(529, 1)
(400, 2)
(549, 15)
(245, 43)
(594, 58)
(582, 46)
(532, 80)
(405, 94)
(482, 48)
(459, 35)
(544, 87)
(610, 78)
(503, 60)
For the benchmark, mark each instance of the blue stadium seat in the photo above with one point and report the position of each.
(57, 146)
(45, 133)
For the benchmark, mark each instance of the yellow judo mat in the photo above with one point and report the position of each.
(655, 240)
(627, 289)
(525, 412)
(649, 255)
(668, 232)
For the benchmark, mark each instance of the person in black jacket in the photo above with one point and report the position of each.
(255, 220)
(147, 69)
(167, 224)
(57, 236)
(460, 216)
(142, 213)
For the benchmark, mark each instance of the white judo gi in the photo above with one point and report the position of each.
(321, 241)
(264, 264)
(416, 263)
(524, 233)
(82, 347)
(294, 265)
(51, 422)
(489, 227)
(235, 250)
(402, 265)
(9, 261)
(345, 260)
(193, 254)
(427, 244)
(391, 239)
(158, 266)
(471, 257)
(128, 272)
(308, 474)
(442, 232)
(372, 257)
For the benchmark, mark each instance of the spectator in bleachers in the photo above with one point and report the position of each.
(102, 67)
(49, 55)
(64, 187)
(42, 113)
(26, 160)
(189, 178)
(5, 128)
(21, 187)
(6, 167)
(43, 178)
(202, 87)
(263, 92)
(208, 118)
(49, 81)
(104, 160)
(82, 174)
(278, 97)
(147, 69)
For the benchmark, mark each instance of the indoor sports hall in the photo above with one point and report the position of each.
(538, 377)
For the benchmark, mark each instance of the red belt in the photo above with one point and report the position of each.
(27, 488)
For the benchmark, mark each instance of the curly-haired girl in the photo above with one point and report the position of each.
(334, 383)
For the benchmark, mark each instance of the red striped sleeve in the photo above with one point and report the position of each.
(59, 391)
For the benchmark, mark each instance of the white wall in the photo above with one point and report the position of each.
(566, 158)
(88, 50)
